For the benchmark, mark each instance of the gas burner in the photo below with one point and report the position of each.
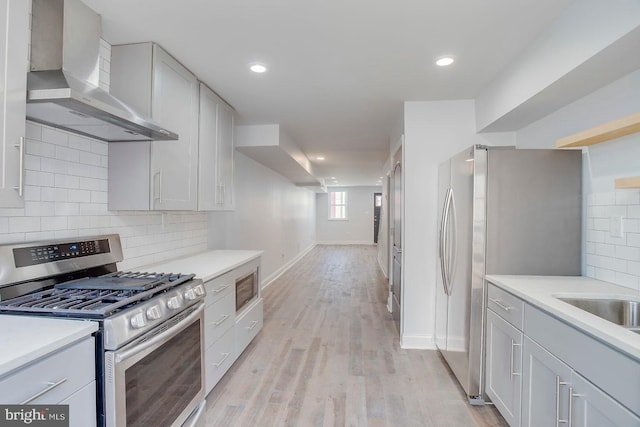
(96, 297)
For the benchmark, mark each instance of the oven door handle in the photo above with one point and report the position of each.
(137, 349)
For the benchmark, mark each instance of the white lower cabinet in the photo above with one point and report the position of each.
(552, 374)
(556, 395)
(65, 377)
(226, 332)
(504, 367)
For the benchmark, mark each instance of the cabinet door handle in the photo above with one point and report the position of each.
(20, 187)
(500, 304)
(50, 387)
(222, 319)
(513, 345)
(220, 289)
(224, 357)
(558, 384)
(571, 396)
(253, 325)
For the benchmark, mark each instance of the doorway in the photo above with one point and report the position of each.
(377, 207)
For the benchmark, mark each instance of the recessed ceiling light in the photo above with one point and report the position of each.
(443, 61)
(258, 68)
(333, 177)
(320, 158)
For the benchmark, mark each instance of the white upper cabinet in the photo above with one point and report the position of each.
(216, 145)
(156, 175)
(14, 20)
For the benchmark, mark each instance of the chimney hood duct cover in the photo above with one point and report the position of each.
(62, 86)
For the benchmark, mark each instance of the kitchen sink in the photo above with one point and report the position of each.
(619, 311)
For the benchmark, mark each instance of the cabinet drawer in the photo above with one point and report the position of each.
(218, 358)
(248, 326)
(71, 368)
(507, 306)
(219, 317)
(219, 287)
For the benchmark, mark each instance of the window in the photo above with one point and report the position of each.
(338, 205)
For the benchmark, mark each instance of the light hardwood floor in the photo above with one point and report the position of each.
(329, 355)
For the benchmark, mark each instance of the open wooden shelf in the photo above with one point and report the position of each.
(604, 132)
(630, 182)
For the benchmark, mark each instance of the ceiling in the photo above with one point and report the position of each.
(338, 70)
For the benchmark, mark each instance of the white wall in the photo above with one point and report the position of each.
(271, 214)
(358, 228)
(66, 196)
(613, 259)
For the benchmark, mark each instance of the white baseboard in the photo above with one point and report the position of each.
(382, 268)
(369, 243)
(279, 272)
(418, 342)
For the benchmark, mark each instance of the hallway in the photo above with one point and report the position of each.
(328, 355)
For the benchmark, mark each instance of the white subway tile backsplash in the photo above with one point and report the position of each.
(55, 136)
(633, 240)
(53, 223)
(79, 143)
(627, 253)
(63, 208)
(67, 181)
(609, 258)
(79, 196)
(23, 224)
(66, 196)
(633, 211)
(627, 197)
(67, 154)
(38, 208)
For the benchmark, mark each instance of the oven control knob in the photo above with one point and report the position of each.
(199, 290)
(137, 321)
(174, 303)
(153, 313)
(190, 294)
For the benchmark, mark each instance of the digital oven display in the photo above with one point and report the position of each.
(50, 253)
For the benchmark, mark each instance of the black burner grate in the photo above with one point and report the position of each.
(96, 297)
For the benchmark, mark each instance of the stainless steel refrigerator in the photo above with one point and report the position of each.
(501, 211)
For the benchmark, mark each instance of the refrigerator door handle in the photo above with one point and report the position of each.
(443, 240)
(453, 250)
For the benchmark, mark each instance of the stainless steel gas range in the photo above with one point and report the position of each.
(149, 346)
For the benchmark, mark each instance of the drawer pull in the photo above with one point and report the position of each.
(222, 319)
(253, 325)
(221, 288)
(224, 357)
(45, 391)
(501, 304)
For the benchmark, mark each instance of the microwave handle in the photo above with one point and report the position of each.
(123, 355)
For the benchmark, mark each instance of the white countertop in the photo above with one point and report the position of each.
(24, 339)
(205, 265)
(541, 292)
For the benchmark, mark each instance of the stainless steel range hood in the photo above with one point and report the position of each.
(62, 86)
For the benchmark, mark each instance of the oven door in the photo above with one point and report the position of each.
(157, 380)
